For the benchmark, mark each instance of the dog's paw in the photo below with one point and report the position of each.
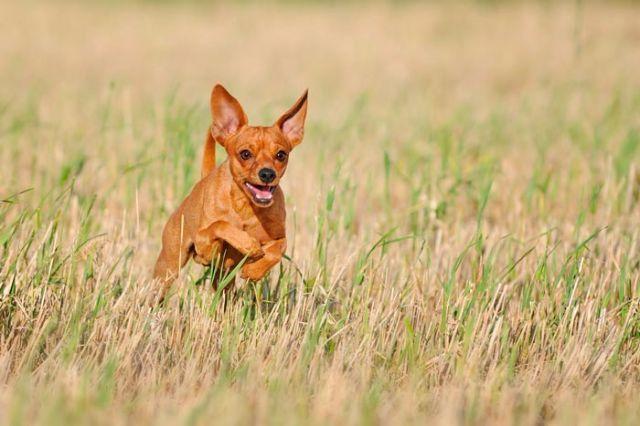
(252, 272)
(255, 252)
(202, 260)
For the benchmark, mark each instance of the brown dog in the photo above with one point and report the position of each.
(236, 211)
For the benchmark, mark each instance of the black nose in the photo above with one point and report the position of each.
(267, 175)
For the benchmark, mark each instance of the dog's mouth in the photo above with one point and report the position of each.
(262, 194)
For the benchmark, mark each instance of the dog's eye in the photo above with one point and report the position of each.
(245, 154)
(281, 156)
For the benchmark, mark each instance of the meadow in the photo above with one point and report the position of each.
(463, 214)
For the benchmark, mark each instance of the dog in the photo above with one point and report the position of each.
(236, 211)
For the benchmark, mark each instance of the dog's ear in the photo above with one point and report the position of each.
(292, 122)
(227, 114)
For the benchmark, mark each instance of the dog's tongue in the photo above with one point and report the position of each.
(260, 192)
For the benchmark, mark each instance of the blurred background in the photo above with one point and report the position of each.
(86, 80)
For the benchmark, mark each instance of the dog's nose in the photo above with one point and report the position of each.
(267, 175)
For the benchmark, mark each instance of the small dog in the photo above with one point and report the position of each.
(236, 211)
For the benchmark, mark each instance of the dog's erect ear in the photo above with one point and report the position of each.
(292, 122)
(227, 114)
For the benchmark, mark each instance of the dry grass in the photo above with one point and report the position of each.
(464, 214)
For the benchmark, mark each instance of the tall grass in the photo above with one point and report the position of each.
(463, 215)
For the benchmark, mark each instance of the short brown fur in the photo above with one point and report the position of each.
(232, 213)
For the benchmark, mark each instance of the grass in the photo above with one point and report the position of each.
(463, 215)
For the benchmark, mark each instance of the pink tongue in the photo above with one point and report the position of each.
(263, 194)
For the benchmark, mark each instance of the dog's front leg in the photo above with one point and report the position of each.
(273, 252)
(224, 231)
(206, 249)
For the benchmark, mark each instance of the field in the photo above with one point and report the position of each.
(463, 214)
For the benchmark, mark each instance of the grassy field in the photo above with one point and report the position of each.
(463, 215)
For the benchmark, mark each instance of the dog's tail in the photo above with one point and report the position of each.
(209, 155)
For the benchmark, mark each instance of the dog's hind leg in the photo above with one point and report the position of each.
(174, 255)
(168, 267)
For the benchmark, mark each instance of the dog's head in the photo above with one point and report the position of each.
(257, 155)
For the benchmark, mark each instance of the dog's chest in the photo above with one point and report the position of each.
(256, 229)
